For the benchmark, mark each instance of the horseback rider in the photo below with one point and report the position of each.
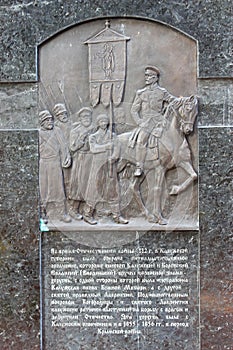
(148, 112)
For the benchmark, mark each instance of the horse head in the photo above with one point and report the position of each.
(187, 113)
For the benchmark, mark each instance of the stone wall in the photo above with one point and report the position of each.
(24, 24)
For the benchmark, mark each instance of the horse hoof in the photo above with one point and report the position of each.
(162, 221)
(175, 190)
(152, 219)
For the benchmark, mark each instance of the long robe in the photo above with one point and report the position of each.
(101, 187)
(54, 154)
(82, 159)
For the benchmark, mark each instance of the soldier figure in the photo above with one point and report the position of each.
(61, 119)
(54, 155)
(101, 187)
(82, 158)
(148, 112)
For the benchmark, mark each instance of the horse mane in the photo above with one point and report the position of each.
(178, 102)
(172, 107)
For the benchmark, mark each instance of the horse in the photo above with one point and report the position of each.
(172, 152)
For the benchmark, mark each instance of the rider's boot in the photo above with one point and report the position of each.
(140, 158)
(139, 170)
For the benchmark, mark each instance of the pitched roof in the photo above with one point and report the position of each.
(105, 35)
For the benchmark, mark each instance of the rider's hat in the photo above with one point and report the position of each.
(153, 70)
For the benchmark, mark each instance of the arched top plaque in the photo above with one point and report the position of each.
(118, 111)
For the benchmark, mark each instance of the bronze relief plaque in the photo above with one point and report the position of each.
(118, 141)
(118, 187)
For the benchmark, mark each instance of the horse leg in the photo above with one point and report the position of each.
(176, 189)
(121, 164)
(155, 179)
(157, 192)
(136, 191)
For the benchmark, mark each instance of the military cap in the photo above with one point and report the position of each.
(153, 69)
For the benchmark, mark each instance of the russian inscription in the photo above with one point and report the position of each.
(118, 159)
(145, 290)
(152, 283)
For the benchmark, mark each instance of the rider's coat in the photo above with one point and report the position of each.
(148, 112)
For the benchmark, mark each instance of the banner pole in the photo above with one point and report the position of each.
(111, 118)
